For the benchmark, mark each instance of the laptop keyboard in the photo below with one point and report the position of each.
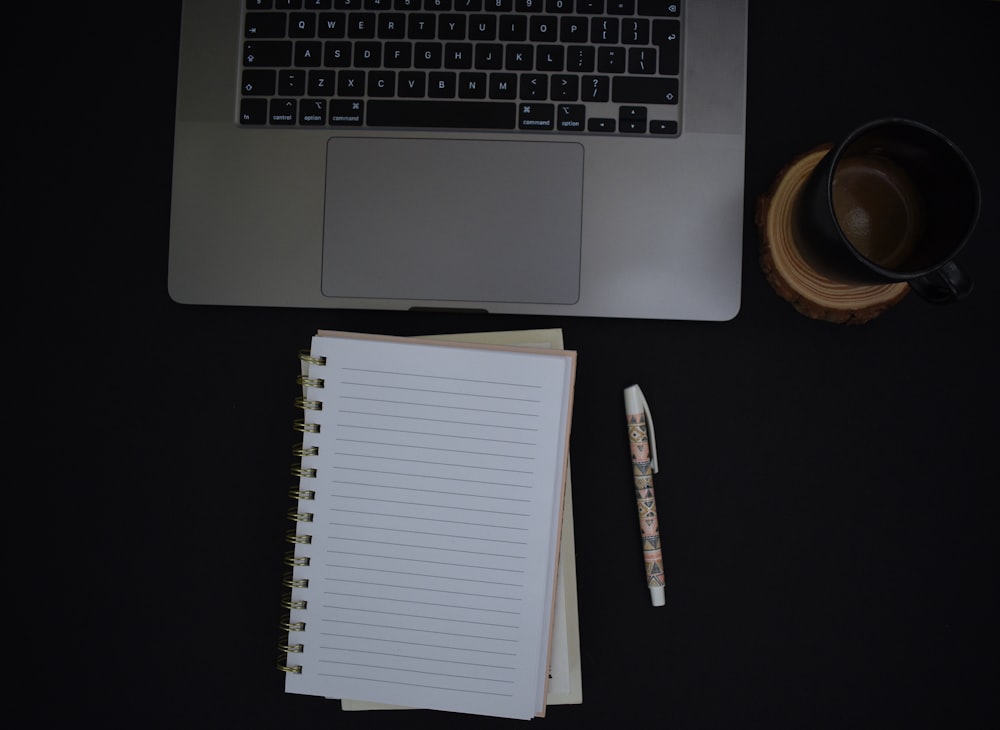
(559, 66)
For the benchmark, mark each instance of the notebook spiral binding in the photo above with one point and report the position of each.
(298, 517)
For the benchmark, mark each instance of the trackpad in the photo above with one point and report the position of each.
(453, 220)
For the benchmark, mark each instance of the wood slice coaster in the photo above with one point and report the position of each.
(811, 293)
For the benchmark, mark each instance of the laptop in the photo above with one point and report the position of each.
(552, 157)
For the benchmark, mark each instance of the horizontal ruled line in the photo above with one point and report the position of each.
(424, 575)
(421, 560)
(435, 506)
(430, 547)
(421, 671)
(444, 435)
(437, 405)
(383, 515)
(437, 420)
(367, 611)
(413, 643)
(438, 392)
(422, 686)
(420, 588)
(427, 491)
(440, 377)
(431, 534)
(422, 447)
(476, 467)
(421, 603)
(421, 631)
(421, 658)
(430, 476)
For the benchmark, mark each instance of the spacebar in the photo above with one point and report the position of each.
(456, 114)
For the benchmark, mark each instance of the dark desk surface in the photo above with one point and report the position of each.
(829, 498)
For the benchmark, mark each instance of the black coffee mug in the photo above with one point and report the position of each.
(895, 201)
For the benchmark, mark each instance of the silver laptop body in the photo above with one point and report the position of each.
(557, 216)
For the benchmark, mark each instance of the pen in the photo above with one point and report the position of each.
(643, 452)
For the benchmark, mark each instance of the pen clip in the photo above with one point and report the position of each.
(649, 427)
(634, 402)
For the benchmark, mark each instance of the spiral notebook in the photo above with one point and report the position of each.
(428, 523)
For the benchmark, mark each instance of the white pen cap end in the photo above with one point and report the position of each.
(658, 594)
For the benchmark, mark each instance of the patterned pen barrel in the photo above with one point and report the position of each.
(642, 447)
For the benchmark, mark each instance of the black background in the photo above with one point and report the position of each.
(828, 494)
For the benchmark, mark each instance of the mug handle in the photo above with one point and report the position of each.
(943, 286)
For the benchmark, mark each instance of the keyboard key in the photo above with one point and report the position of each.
(601, 124)
(573, 30)
(611, 60)
(571, 117)
(596, 88)
(344, 113)
(537, 117)
(503, 86)
(413, 84)
(282, 111)
(604, 30)
(451, 27)
(635, 31)
(565, 88)
(519, 57)
(308, 53)
(667, 35)
(267, 53)
(442, 114)
(641, 61)
(253, 111)
(382, 83)
(644, 90)
(534, 87)
(621, 7)
(442, 84)
(472, 85)
(312, 112)
(483, 28)
(361, 25)
(264, 25)
(391, 25)
(332, 25)
(258, 83)
(513, 28)
(351, 83)
(659, 7)
(301, 25)
(322, 83)
(291, 82)
(581, 59)
(550, 58)
(660, 126)
(593, 7)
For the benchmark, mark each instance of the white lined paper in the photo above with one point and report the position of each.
(435, 529)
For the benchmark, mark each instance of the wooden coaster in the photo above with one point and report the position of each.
(811, 293)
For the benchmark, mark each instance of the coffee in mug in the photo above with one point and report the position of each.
(895, 201)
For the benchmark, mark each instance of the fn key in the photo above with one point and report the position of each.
(253, 111)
